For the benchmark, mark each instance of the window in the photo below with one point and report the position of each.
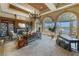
(64, 26)
(47, 23)
(68, 23)
(74, 28)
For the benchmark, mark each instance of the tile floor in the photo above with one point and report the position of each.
(42, 47)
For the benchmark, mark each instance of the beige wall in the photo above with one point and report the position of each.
(5, 8)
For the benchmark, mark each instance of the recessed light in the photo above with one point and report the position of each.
(41, 7)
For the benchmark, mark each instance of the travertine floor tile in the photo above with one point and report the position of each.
(42, 47)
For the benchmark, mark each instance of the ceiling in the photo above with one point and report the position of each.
(43, 8)
(61, 4)
(17, 8)
(39, 6)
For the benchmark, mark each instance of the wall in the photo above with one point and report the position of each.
(5, 7)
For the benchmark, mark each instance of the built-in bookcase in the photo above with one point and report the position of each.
(5, 28)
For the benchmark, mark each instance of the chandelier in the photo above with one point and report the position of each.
(34, 15)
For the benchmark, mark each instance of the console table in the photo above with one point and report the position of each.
(65, 41)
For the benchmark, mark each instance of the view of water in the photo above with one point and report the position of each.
(63, 25)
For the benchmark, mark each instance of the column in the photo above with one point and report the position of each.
(71, 27)
(78, 28)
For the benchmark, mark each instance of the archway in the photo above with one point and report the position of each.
(37, 25)
(68, 23)
(47, 23)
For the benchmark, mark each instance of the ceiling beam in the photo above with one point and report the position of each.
(22, 7)
(19, 9)
(51, 6)
(59, 8)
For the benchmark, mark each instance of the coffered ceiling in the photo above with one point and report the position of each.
(43, 8)
(39, 6)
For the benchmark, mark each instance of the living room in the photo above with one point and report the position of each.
(28, 29)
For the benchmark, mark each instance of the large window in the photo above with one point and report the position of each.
(64, 26)
(67, 23)
(74, 28)
(48, 23)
